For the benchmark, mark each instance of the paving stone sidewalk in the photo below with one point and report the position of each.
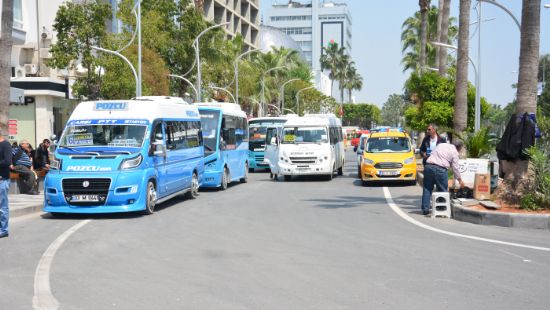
(21, 204)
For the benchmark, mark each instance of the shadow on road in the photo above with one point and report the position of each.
(342, 202)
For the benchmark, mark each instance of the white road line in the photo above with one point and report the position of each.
(43, 298)
(409, 219)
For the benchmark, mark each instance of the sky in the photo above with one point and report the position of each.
(376, 45)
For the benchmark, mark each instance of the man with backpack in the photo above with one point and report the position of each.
(23, 165)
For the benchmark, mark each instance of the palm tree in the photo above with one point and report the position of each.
(354, 81)
(424, 7)
(330, 61)
(439, 17)
(344, 65)
(529, 57)
(445, 12)
(461, 90)
(410, 39)
(527, 81)
(6, 44)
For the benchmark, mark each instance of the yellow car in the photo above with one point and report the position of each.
(388, 156)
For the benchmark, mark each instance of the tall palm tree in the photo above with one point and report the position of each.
(410, 39)
(461, 90)
(354, 81)
(6, 43)
(445, 13)
(330, 61)
(439, 17)
(344, 65)
(424, 7)
(529, 57)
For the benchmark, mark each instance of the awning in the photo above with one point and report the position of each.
(17, 95)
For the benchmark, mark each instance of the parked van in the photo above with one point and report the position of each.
(225, 130)
(126, 155)
(309, 145)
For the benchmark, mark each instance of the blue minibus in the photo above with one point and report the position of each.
(125, 155)
(225, 132)
(257, 128)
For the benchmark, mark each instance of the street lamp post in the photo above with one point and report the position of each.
(136, 76)
(187, 81)
(298, 98)
(260, 106)
(276, 108)
(198, 58)
(225, 90)
(236, 76)
(478, 92)
(139, 44)
(283, 92)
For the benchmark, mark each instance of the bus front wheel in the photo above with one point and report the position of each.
(150, 199)
(194, 190)
(225, 179)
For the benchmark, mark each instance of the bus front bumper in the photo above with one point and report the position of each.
(311, 169)
(126, 193)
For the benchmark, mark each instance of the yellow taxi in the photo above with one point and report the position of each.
(388, 156)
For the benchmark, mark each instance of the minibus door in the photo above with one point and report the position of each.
(159, 157)
(271, 154)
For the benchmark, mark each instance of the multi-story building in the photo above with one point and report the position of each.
(313, 25)
(39, 104)
(242, 15)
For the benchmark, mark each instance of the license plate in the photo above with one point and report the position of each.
(388, 173)
(303, 168)
(259, 150)
(85, 198)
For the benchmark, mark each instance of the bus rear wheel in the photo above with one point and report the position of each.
(194, 190)
(244, 179)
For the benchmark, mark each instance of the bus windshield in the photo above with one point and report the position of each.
(104, 135)
(210, 129)
(388, 145)
(305, 135)
(258, 130)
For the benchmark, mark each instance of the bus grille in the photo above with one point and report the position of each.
(388, 165)
(303, 160)
(95, 186)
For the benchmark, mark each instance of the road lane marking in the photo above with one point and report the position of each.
(43, 298)
(409, 219)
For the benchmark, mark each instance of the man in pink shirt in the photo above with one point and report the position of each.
(444, 156)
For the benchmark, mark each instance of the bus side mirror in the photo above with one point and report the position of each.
(159, 148)
(273, 141)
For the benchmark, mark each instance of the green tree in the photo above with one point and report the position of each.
(361, 114)
(393, 111)
(352, 79)
(79, 26)
(331, 59)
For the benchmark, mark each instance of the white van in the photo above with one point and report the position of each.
(309, 145)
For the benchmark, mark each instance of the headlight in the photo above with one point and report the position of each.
(55, 163)
(368, 161)
(131, 162)
(409, 160)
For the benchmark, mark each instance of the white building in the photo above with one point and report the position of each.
(313, 25)
(39, 105)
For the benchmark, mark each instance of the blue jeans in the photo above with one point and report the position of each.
(433, 175)
(4, 210)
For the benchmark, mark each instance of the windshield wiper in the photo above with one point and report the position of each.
(72, 148)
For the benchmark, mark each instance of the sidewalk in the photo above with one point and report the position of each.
(20, 204)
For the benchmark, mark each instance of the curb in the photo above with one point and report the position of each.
(515, 220)
(26, 210)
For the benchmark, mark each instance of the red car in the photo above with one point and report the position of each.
(355, 139)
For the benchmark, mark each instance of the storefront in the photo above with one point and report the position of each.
(41, 111)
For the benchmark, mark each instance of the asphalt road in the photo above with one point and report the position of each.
(304, 244)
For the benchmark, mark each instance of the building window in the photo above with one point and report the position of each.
(305, 45)
(18, 14)
(290, 18)
(296, 30)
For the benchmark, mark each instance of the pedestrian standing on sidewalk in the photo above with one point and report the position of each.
(430, 142)
(444, 156)
(5, 166)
